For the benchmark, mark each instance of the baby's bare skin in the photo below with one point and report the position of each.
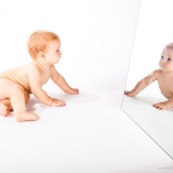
(5, 107)
(16, 84)
(164, 77)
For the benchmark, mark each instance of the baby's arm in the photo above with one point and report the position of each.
(35, 81)
(59, 80)
(42, 96)
(142, 84)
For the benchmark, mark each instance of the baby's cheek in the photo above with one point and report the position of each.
(170, 67)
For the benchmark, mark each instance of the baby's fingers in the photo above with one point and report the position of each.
(75, 90)
(126, 92)
(160, 106)
(57, 102)
(129, 93)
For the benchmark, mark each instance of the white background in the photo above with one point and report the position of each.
(154, 30)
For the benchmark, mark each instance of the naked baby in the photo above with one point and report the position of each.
(17, 84)
(164, 77)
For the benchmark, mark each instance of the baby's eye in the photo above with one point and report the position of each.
(169, 59)
(162, 57)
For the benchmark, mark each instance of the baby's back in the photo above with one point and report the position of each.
(17, 75)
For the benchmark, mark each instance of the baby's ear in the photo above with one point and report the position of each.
(41, 55)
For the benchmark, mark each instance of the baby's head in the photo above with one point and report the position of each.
(166, 61)
(39, 41)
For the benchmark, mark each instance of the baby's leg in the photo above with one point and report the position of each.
(18, 97)
(5, 105)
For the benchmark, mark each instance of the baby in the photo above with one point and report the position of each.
(164, 77)
(17, 84)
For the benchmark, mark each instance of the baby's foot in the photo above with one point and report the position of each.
(26, 116)
(4, 109)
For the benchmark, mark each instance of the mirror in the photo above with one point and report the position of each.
(154, 31)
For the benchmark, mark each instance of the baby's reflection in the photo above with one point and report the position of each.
(164, 77)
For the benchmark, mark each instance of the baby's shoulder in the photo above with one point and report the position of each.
(31, 69)
(156, 72)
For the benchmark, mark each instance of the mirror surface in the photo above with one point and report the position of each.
(154, 30)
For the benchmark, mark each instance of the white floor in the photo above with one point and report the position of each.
(156, 123)
(90, 135)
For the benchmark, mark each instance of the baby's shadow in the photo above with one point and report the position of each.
(33, 104)
(76, 98)
(36, 106)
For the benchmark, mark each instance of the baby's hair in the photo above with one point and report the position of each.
(169, 46)
(39, 40)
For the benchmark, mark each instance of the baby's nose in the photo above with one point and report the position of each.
(164, 60)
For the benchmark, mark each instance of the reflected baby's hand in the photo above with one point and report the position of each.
(160, 106)
(74, 91)
(129, 93)
(56, 102)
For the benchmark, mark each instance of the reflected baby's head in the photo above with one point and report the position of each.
(166, 60)
(39, 41)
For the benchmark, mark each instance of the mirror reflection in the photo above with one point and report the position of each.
(148, 98)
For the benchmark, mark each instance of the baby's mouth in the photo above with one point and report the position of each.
(161, 65)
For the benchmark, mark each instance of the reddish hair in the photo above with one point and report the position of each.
(39, 40)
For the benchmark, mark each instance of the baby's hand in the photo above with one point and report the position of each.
(129, 93)
(74, 91)
(160, 106)
(56, 102)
